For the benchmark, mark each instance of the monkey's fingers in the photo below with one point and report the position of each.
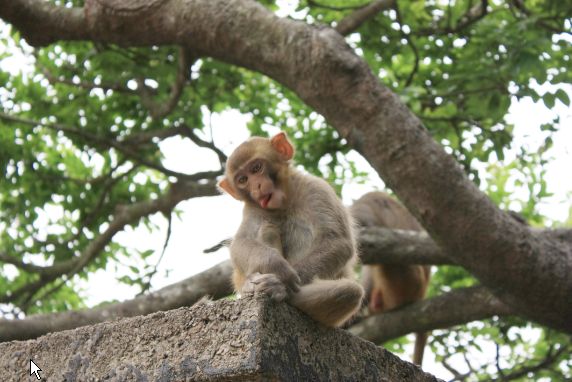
(249, 286)
(270, 285)
(291, 279)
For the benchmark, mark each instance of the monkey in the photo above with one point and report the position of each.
(296, 240)
(389, 286)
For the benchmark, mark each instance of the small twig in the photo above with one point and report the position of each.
(189, 133)
(497, 360)
(30, 298)
(124, 215)
(457, 375)
(473, 15)
(147, 285)
(411, 44)
(160, 110)
(334, 8)
(108, 142)
(551, 358)
(84, 84)
(356, 19)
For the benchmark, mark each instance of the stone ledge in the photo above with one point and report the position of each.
(244, 340)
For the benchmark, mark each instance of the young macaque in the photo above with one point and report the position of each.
(390, 286)
(296, 240)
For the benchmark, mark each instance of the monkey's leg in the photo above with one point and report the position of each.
(330, 302)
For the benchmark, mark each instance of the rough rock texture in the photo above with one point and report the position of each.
(244, 340)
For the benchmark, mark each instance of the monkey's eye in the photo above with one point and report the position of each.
(242, 180)
(256, 167)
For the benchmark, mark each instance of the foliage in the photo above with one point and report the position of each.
(80, 138)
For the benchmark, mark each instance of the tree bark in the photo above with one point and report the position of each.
(454, 308)
(388, 246)
(528, 271)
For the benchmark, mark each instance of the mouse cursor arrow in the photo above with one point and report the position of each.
(34, 369)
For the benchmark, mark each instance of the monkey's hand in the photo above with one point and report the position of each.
(278, 266)
(268, 284)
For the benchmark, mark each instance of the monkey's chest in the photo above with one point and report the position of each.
(297, 238)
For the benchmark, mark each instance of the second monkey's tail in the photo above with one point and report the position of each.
(420, 342)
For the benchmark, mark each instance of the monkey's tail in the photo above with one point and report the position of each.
(223, 243)
(420, 342)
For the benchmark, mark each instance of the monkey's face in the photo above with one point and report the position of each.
(257, 182)
(257, 172)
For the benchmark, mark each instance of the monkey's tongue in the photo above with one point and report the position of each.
(264, 202)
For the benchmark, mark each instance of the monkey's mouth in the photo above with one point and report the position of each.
(265, 200)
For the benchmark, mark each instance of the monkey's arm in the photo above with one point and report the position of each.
(332, 243)
(251, 256)
(326, 260)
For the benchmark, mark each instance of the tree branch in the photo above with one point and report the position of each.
(124, 215)
(550, 358)
(473, 15)
(214, 282)
(84, 84)
(454, 308)
(189, 133)
(106, 142)
(387, 246)
(411, 44)
(352, 22)
(147, 136)
(160, 110)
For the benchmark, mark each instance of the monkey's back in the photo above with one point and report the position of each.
(378, 209)
(399, 284)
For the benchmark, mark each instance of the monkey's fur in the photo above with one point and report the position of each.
(296, 240)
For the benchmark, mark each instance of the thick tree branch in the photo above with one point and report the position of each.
(454, 308)
(563, 235)
(393, 246)
(387, 246)
(528, 272)
(214, 282)
(35, 20)
(352, 22)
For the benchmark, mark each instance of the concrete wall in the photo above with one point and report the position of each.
(244, 340)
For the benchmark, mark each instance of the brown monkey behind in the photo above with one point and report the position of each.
(389, 286)
(295, 242)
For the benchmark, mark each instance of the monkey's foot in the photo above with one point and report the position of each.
(267, 283)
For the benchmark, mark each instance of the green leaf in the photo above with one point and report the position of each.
(549, 100)
(563, 97)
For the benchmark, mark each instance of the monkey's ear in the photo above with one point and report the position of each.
(282, 145)
(226, 187)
